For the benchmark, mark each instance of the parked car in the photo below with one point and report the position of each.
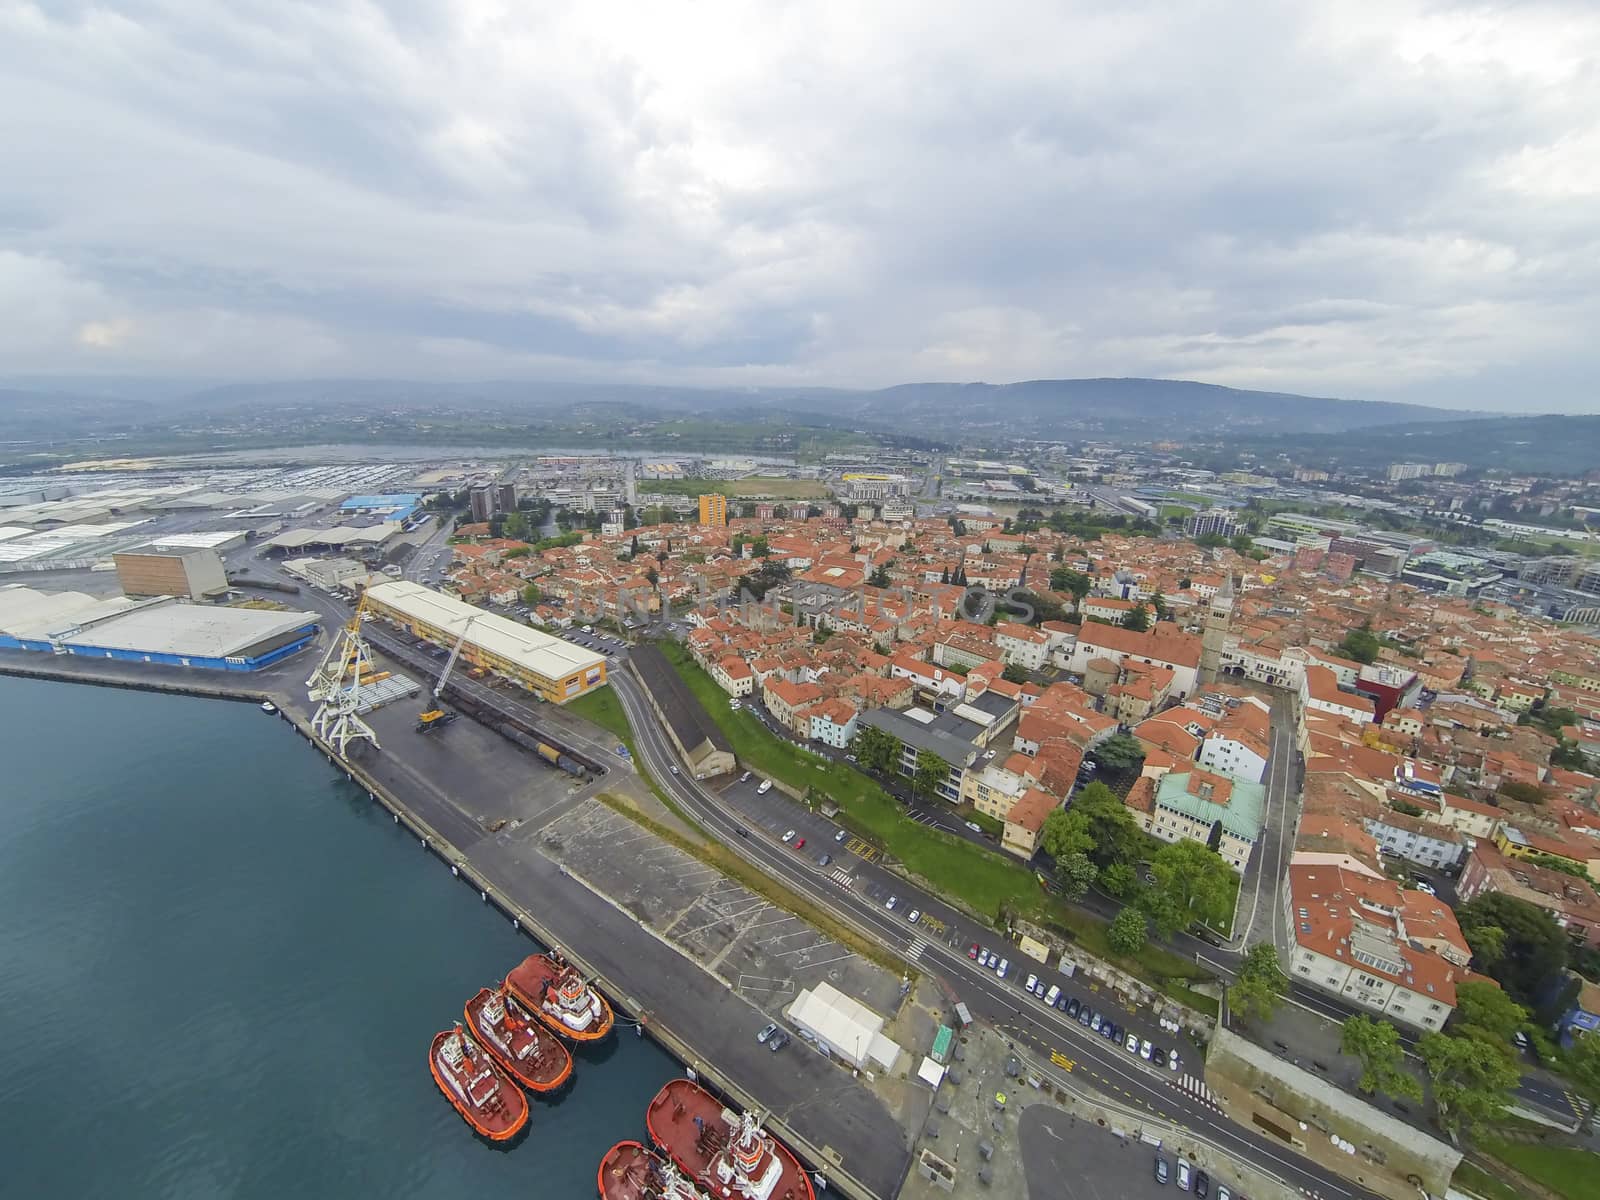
(975, 827)
(891, 902)
(1132, 1044)
(778, 1042)
(766, 1033)
(840, 836)
(766, 786)
(1095, 1022)
(824, 859)
(984, 958)
(1062, 1002)
(1183, 1175)
(1085, 1015)
(788, 835)
(1223, 1193)
(1027, 984)
(1423, 886)
(1111, 1033)
(1005, 965)
(914, 916)
(1202, 1184)
(1161, 1169)
(1073, 1006)
(799, 843)
(972, 950)
(745, 778)
(1144, 1049)
(1052, 995)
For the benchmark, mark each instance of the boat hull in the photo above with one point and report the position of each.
(670, 1120)
(544, 1071)
(525, 982)
(497, 1126)
(625, 1169)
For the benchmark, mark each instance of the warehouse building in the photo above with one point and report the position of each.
(191, 571)
(553, 669)
(157, 630)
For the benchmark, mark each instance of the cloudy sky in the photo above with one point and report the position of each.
(1395, 199)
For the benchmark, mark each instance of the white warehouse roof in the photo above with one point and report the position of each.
(193, 630)
(534, 651)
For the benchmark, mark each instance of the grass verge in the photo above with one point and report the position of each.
(1480, 1183)
(1565, 1171)
(715, 854)
(979, 880)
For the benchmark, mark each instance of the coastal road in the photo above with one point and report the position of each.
(987, 996)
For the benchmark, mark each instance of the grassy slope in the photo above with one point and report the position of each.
(953, 866)
(1572, 1173)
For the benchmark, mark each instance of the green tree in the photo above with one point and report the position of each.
(1484, 1010)
(517, 527)
(1259, 986)
(1383, 1058)
(531, 595)
(1062, 835)
(1119, 880)
(1211, 541)
(1194, 883)
(1128, 932)
(1076, 874)
(1522, 792)
(1099, 825)
(1064, 579)
(931, 771)
(1119, 753)
(1163, 610)
(1241, 543)
(875, 749)
(1583, 1068)
(1471, 1080)
(1136, 618)
(1514, 942)
(1360, 645)
(879, 577)
(1014, 673)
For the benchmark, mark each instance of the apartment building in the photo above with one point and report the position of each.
(1351, 940)
(1200, 806)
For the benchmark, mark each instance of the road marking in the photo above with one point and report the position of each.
(842, 877)
(1061, 1060)
(915, 951)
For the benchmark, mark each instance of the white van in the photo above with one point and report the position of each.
(1052, 995)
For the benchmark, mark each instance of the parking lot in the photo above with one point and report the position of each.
(1078, 1159)
(763, 952)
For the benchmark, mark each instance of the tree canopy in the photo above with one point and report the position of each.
(1361, 644)
(931, 771)
(1515, 942)
(1192, 882)
(1383, 1058)
(1136, 618)
(1128, 932)
(1260, 985)
(1484, 1010)
(875, 749)
(1471, 1079)
(1119, 752)
(1076, 873)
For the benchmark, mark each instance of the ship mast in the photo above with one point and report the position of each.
(336, 686)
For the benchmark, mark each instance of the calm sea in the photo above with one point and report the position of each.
(221, 966)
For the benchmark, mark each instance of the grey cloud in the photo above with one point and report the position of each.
(1384, 199)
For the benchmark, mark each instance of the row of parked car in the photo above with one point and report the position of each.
(1189, 1178)
(1077, 1010)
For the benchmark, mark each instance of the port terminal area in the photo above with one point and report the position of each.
(682, 957)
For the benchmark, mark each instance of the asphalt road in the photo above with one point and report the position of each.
(1260, 912)
(1000, 1001)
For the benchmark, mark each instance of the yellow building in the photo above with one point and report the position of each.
(551, 667)
(713, 509)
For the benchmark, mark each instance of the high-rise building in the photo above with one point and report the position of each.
(1213, 520)
(505, 497)
(482, 499)
(713, 509)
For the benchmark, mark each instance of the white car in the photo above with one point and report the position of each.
(1423, 886)
(1005, 965)
(891, 902)
(766, 786)
(1029, 983)
(1131, 1045)
(913, 916)
(674, 770)
(1051, 996)
(1144, 1049)
(788, 836)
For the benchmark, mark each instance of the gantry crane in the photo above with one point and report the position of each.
(336, 686)
(438, 715)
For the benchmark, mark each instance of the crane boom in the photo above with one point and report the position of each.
(436, 715)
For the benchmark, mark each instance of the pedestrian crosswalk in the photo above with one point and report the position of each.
(1197, 1088)
(915, 951)
(842, 877)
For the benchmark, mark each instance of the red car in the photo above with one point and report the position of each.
(799, 843)
(972, 951)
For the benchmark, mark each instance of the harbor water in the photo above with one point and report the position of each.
(221, 966)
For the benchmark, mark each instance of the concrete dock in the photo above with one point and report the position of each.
(455, 786)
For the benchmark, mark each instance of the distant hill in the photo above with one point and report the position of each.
(146, 411)
(1553, 444)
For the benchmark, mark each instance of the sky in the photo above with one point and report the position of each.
(1394, 199)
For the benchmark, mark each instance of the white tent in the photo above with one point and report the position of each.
(843, 1027)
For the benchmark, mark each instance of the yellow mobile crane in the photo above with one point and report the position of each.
(438, 715)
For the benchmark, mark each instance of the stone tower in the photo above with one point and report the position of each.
(1219, 620)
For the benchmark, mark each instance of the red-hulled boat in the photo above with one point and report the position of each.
(729, 1154)
(553, 991)
(536, 1059)
(479, 1087)
(630, 1172)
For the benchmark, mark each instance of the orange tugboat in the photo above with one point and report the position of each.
(535, 1059)
(551, 989)
(479, 1088)
(728, 1153)
(630, 1172)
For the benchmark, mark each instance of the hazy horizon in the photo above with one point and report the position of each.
(1387, 201)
